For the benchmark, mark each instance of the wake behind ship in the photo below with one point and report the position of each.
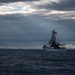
(53, 44)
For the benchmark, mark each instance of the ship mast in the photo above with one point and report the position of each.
(52, 41)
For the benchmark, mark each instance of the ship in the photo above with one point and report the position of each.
(53, 44)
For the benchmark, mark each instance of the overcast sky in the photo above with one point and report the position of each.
(27, 23)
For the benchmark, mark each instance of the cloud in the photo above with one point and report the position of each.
(7, 1)
(46, 8)
(62, 5)
(16, 8)
(25, 7)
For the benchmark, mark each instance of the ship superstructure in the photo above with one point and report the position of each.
(53, 44)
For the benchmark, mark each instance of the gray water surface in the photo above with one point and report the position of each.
(36, 62)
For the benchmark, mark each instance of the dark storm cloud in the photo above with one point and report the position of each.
(62, 5)
(7, 1)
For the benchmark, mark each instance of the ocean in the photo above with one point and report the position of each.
(36, 62)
